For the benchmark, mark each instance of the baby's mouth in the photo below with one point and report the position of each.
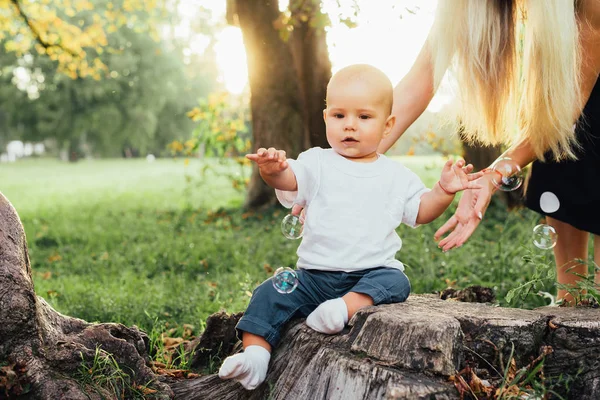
(349, 139)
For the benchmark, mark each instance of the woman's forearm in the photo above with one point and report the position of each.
(521, 153)
(408, 106)
(412, 95)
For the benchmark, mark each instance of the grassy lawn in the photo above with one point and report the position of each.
(156, 245)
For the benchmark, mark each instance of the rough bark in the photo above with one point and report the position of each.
(288, 81)
(275, 102)
(409, 350)
(311, 58)
(219, 338)
(42, 351)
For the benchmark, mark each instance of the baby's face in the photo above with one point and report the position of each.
(356, 120)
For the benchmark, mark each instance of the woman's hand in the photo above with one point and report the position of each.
(469, 213)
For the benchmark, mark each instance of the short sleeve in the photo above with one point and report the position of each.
(306, 170)
(415, 188)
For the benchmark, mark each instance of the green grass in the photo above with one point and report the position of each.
(156, 245)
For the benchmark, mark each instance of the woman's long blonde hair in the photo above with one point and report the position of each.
(517, 68)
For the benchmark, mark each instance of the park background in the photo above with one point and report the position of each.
(124, 125)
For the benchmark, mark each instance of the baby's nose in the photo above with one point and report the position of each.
(350, 123)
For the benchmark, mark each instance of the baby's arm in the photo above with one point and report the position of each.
(274, 169)
(455, 177)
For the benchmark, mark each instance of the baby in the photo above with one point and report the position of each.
(354, 199)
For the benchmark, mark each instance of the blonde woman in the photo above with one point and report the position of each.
(525, 69)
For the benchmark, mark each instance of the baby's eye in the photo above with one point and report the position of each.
(338, 115)
(365, 116)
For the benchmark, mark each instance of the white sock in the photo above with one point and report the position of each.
(330, 317)
(248, 368)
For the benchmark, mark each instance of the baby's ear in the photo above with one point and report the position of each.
(325, 114)
(389, 124)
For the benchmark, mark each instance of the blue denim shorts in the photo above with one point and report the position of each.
(269, 310)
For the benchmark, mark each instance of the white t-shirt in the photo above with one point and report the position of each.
(352, 210)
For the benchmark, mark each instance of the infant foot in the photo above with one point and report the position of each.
(330, 317)
(248, 368)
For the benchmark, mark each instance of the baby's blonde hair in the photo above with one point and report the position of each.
(517, 67)
(374, 76)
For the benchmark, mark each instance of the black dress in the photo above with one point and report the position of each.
(570, 190)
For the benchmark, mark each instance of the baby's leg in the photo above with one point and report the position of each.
(355, 301)
(248, 368)
(382, 285)
(377, 286)
(250, 339)
(331, 316)
(259, 327)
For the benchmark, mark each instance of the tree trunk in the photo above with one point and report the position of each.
(46, 355)
(480, 156)
(311, 58)
(275, 103)
(410, 350)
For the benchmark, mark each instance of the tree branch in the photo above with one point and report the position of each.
(36, 33)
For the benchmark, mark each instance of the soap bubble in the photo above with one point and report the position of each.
(507, 175)
(544, 237)
(291, 227)
(285, 280)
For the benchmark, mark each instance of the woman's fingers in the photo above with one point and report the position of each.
(474, 185)
(481, 204)
(449, 225)
(448, 242)
(475, 175)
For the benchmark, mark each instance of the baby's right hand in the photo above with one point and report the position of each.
(270, 162)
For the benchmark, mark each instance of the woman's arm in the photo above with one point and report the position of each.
(412, 95)
(474, 202)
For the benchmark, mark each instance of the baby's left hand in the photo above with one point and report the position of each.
(456, 177)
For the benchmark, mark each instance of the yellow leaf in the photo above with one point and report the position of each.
(54, 257)
(46, 275)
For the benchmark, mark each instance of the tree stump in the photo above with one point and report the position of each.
(46, 355)
(410, 350)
